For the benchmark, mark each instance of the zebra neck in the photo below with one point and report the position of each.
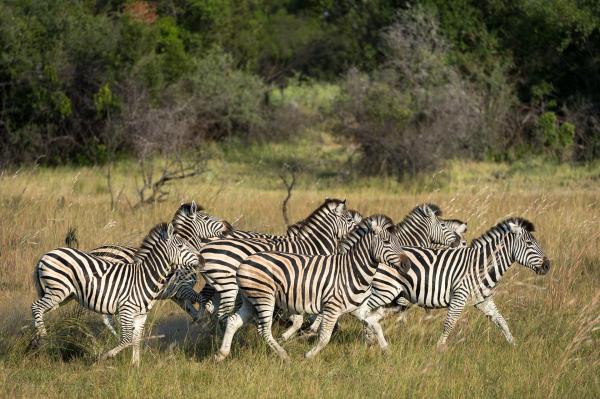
(317, 231)
(153, 273)
(360, 263)
(496, 258)
(411, 232)
(184, 230)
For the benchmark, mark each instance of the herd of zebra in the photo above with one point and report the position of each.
(331, 263)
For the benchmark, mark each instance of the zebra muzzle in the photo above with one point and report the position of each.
(544, 268)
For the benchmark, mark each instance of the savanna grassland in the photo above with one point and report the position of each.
(554, 318)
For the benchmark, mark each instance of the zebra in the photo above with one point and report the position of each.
(385, 289)
(330, 285)
(194, 225)
(452, 278)
(421, 227)
(317, 234)
(108, 288)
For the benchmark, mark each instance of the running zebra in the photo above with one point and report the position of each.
(318, 234)
(385, 286)
(194, 225)
(330, 285)
(421, 227)
(108, 288)
(452, 278)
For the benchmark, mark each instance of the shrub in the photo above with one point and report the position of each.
(417, 109)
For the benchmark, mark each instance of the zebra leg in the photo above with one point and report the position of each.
(127, 326)
(138, 331)
(227, 302)
(296, 320)
(457, 304)
(371, 323)
(265, 323)
(264, 306)
(48, 302)
(208, 299)
(314, 327)
(369, 333)
(234, 322)
(108, 321)
(488, 307)
(403, 305)
(330, 317)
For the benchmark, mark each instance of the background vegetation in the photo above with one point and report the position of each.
(410, 83)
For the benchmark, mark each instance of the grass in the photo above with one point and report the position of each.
(555, 319)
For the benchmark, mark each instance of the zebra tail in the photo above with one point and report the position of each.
(37, 282)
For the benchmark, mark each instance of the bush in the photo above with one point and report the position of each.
(417, 109)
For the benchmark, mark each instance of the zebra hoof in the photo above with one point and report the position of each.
(34, 344)
(219, 357)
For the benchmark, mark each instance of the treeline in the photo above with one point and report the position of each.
(86, 81)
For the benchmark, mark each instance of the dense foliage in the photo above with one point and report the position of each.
(497, 79)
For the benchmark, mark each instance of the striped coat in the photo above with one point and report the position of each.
(108, 288)
(452, 278)
(327, 284)
(318, 235)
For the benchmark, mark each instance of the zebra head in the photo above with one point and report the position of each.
(331, 219)
(438, 231)
(164, 246)
(459, 227)
(526, 250)
(195, 225)
(386, 246)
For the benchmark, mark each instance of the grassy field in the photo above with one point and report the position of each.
(555, 318)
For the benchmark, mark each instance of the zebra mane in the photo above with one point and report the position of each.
(419, 210)
(187, 208)
(296, 227)
(434, 208)
(300, 224)
(157, 233)
(503, 227)
(364, 228)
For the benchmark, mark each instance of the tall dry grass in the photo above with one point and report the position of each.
(555, 319)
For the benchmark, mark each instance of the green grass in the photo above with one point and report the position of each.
(553, 318)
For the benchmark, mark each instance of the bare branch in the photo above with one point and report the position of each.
(289, 186)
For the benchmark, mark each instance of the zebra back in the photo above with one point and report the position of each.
(477, 268)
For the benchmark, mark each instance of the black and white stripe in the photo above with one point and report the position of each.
(108, 288)
(192, 223)
(327, 284)
(317, 234)
(421, 227)
(452, 278)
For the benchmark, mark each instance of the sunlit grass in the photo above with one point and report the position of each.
(553, 318)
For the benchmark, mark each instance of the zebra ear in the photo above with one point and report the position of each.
(429, 211)
(170, 231)
(462, 229)
(515, 228)
(341, 207)
(193, 208)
